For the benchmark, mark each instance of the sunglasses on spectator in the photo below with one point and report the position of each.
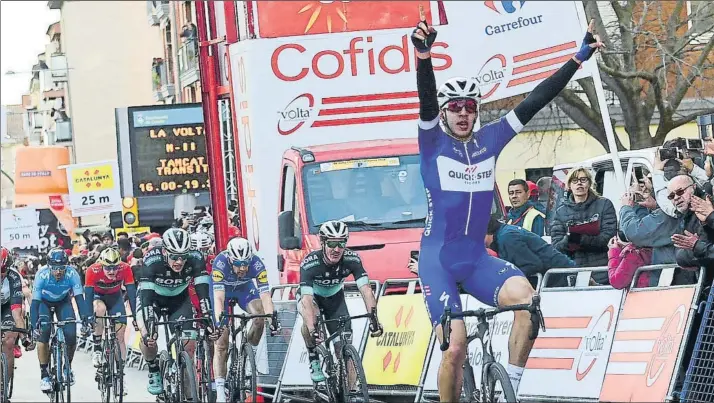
(458, 104)
(582, 180)
(177, 257)
(678, 193)
(336, 244)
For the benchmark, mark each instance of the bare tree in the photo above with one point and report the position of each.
(658, 53)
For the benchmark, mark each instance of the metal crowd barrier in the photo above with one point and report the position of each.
(699, 379)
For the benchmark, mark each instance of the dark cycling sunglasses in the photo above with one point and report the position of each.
(111, 268)
(336, 244)
(678, 193)
(458, 104)
(239, 263)
(179, 256)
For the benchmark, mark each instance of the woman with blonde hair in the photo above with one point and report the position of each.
(584, 223)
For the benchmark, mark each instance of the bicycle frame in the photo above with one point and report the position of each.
(6, 380)
(57, 348)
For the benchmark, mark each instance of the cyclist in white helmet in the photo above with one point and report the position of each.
(239, 277)
(322, 274)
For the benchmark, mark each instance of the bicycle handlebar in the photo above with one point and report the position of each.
(13, 329)
(114, 318)
(537, 321)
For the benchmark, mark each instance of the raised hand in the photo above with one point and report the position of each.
(591, 43)
(423, 36)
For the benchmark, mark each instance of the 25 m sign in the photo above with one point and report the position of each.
(94, 188)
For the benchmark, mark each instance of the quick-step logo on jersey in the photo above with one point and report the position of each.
(455, 176)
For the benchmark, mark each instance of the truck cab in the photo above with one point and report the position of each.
(375, 187)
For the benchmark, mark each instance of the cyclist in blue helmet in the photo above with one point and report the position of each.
(458, 161)
(55, 286)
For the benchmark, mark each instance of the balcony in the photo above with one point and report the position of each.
(188, 63)
(157, 11)
(63, 131)
(160, 81)
(58, 61)
(53, 94)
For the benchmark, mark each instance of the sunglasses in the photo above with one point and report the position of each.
(111, 268)
(239, 263)
(177, 257)
(581, 180)
(678, 193)
(458, 104)
(336, 244)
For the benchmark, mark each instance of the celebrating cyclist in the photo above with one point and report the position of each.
(322, 274)
(164, 285)
(103, 286)
(239, 277)
(11, 311)
(458, 163)
(55, 286)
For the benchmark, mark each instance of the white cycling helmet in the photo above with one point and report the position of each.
(205, 225)
(201, 240)
(458, 88)
(239, 249)
(176, 240)
(334, 230)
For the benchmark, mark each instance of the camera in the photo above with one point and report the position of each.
(670, 153)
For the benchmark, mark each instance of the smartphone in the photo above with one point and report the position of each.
(638, 174)
(637, 198)
(695, 144)
(668, 154)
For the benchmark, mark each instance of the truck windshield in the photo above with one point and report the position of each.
(367, 194)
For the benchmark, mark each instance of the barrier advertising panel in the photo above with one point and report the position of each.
(572, 352)
(296, 373)
(94, 188)
(397, 357)
(647, 341)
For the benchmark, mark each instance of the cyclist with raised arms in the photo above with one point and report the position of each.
(458, 164)
(322, 274)
(103, 286)
(239, 277)
(164, 282)
(11, 308)
(55, 286)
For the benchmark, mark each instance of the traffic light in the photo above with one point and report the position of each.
(130, 212)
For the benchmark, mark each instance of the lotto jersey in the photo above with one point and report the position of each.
(460, 176)
(96, 278)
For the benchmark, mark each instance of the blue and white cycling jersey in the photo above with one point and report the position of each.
(459, 177)
(223, 278)
(47, 288)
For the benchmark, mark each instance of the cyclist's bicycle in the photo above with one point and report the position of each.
(6, 382)
(204, 365)
(241, 379)
(178, 373)
(110, 375)
(337, 369)
(60, 367)
(492, 372)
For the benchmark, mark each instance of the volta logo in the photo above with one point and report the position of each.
(665, 345)
(593, 345)
(505, 7)
(296, 113)
(491, 75)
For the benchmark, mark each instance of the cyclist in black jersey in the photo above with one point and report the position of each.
(322, 274)
(163, 283)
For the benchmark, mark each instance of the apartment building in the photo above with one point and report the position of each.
(175, 75)
(13, 136)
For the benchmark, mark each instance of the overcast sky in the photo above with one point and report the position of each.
(23, 25)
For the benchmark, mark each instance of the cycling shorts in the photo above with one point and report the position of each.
(64, 310)
(242, 295)
(114, 303)
(6, 317)
(462, 261)
(178, 307)
(332, 307)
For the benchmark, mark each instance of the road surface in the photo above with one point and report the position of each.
(27, 381)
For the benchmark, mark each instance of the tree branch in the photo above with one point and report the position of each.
(688, 118)
(585, 117)
(683, 83)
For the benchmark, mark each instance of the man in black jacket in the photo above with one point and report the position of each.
(526, 250)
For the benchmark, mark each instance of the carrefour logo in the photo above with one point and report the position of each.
(505, 7)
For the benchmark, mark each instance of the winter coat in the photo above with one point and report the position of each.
(516, 216)
(650, 230)
(623, 262)
(591, 250)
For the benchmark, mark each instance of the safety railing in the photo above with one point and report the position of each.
(699, 379)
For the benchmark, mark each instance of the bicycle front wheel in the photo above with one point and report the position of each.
(353, 377)
(205, 382)
(117, 373)
(4, 378)
(232, 377)
(247, 380)
(496, 382)
(470, 383)
(188, 374)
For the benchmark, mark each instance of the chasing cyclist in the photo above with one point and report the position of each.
(322, 274)
(103, 286)
(458, 164)
(11, 308)
(55, 286)
(239, 277)
(164, 282)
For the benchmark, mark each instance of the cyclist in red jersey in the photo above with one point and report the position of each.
(103, 285)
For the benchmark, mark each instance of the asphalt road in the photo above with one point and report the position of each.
(27, 381)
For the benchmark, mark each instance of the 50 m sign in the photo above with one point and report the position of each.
(94, 188)
(19, 228)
